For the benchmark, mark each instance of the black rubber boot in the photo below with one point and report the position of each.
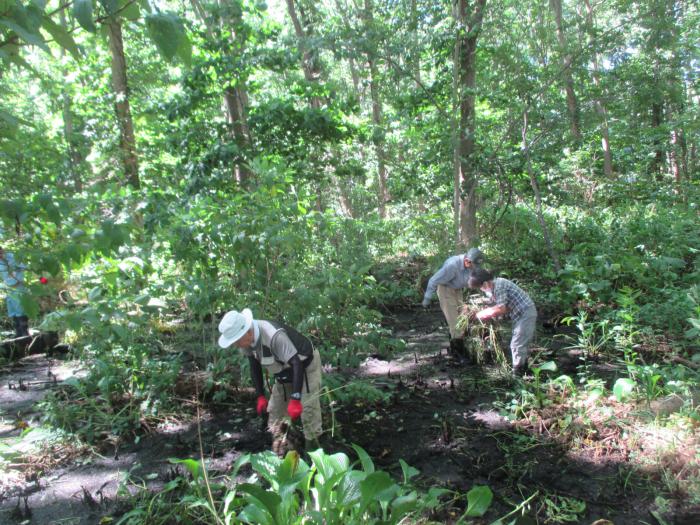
(520, 371)
(22, 326)
(457, 347)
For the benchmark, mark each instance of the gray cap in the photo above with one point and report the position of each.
(475, 256)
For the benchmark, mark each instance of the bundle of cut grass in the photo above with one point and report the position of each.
(481, 340)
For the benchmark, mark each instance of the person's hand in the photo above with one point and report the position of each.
(43, 280)
(294, 408)
(425, 303)
(261, 405)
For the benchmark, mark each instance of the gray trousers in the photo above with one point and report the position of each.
(523, 332)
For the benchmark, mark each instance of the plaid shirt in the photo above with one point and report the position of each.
(510, 295)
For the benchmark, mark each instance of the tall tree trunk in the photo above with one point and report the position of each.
(377, 118)
(675, 151)
(538, 196)
(415, 17)
(309, 61)
(599, 106)
(303, 28)
(566, 61)
(127, 140)
(657, 118)
(74, 158)
(469, 16)
(235, 97)
(236, 104)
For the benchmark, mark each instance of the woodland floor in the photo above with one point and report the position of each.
(440, 420)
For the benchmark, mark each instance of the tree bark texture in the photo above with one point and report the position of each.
(235, 97)
(127, 139)
(657, 119)
(538, 197)
(601, 110)
(469, 16)
(567, 77)
(377, 118)
(309, 60)
(74, 157)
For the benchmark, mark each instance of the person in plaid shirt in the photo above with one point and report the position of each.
(508, 299)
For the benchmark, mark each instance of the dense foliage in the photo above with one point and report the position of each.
(299, 158)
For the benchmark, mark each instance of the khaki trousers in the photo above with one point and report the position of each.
(451, 300)
(310, 400)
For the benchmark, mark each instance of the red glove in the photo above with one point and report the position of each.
(43, 280)
(294, 408)
(262, 405)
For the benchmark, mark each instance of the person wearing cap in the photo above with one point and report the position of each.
(290, 358)
(12, 275)
(449, 282)
(510, 300)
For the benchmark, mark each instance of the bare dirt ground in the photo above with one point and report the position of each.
(439, 418)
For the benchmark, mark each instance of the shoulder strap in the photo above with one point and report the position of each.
(302, 343)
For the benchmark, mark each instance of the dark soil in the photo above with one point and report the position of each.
(440, 419)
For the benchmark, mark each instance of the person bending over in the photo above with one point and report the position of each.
(508, 299)
(290, 358)
(449, 282)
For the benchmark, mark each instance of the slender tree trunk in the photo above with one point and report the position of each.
(127, 140)
(538, 196)
(675, 153)
(657, 165)
(599, 106)
(377, 119)
(344, 187)
(415, 17)
(74, 158)
(309, 62)
(456, 162)
(235, 97)
(469, 16)
(566, 61)
(236, 104)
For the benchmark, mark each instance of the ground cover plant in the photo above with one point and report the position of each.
(163, 162)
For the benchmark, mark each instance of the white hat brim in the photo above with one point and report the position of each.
(226, 340)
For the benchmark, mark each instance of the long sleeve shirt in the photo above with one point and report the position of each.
(510, 295)
(453, 274)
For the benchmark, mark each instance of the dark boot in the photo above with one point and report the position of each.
(457, 347)
(18, 323)
(22, 327)
(520, 371)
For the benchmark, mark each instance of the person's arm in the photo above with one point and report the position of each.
(442, 276)
(256, 375)
(492, 312)
(297, 375)
(285, 351)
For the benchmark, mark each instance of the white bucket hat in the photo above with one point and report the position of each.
(234, 325)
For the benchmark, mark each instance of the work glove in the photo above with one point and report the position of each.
(294, 408)
(261, 405)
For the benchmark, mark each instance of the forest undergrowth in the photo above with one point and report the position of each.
(604, 426)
